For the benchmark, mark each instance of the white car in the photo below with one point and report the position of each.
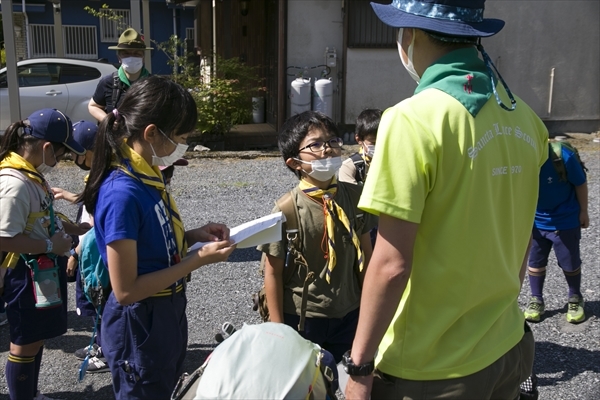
(62, 83)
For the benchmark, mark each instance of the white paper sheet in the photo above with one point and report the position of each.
(263, 230)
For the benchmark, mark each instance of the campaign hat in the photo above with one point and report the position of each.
(130, 40)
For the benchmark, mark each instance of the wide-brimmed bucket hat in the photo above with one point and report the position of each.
(449, 17)
(130, 40)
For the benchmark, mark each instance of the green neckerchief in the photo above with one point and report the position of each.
(124, 79)
(462, 75)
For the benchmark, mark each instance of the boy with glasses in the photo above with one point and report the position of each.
(322, 296)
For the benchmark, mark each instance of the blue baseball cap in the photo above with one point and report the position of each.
(54, 126)
(449, 17)
(84, 133)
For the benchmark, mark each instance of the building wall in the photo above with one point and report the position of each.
(314, 25)
(538, 36)
(375, 78)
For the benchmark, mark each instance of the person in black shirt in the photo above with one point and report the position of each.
(110, 89)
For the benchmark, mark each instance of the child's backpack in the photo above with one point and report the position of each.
(361, 169)
(94, 274)
(559, 163)
(293, 260)
(265, 361)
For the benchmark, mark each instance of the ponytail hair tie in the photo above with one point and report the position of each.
(116, 113)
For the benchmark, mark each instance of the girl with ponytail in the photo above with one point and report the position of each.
(141, 237)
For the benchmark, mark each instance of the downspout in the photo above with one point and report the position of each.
(27, 38)
(551, 92)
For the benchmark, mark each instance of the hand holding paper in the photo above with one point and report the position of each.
(263, 230)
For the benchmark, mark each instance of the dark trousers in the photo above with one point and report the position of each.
(333, 334)
(144, 344)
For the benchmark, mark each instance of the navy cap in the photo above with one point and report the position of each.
(84, 133)
(54, 126)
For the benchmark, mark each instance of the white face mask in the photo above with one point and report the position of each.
(44, 168)
(408, 65)
(168, 160)
(323, 170)
(132, 65)
(369, 150)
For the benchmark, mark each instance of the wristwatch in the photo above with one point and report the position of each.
(357, 370)
(48, 246)
(75, 255)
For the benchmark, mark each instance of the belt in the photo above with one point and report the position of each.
(171, 290)
(385, 377)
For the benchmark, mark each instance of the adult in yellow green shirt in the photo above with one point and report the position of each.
(455, 185)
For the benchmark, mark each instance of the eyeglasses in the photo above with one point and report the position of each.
(316, 147)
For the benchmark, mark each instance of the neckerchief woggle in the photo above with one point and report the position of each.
(135, 166)
(333, 211)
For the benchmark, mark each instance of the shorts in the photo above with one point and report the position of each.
(566, 248)
(333, 334)
(29, 324)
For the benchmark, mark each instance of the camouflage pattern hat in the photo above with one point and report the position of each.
(130, 40)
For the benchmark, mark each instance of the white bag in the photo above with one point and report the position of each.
(265, 361)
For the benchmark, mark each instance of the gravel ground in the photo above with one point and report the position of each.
(235, 190)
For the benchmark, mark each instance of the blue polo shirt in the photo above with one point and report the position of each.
(129, 209)
(557, 207)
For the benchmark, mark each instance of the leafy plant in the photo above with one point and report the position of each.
(224, 98)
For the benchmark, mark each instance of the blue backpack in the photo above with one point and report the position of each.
(94, 274)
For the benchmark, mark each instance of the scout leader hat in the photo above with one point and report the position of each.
(54, 126)
(449, 17)
(130, 40)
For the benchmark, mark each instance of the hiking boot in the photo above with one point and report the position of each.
(96, 365)
(3, 318)
(575, 312)
(534, 310)
(95, 351)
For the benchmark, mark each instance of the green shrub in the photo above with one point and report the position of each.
(225, 98)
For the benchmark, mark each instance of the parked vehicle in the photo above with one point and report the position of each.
(61, 83)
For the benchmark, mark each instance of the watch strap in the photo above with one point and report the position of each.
(357, 370)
